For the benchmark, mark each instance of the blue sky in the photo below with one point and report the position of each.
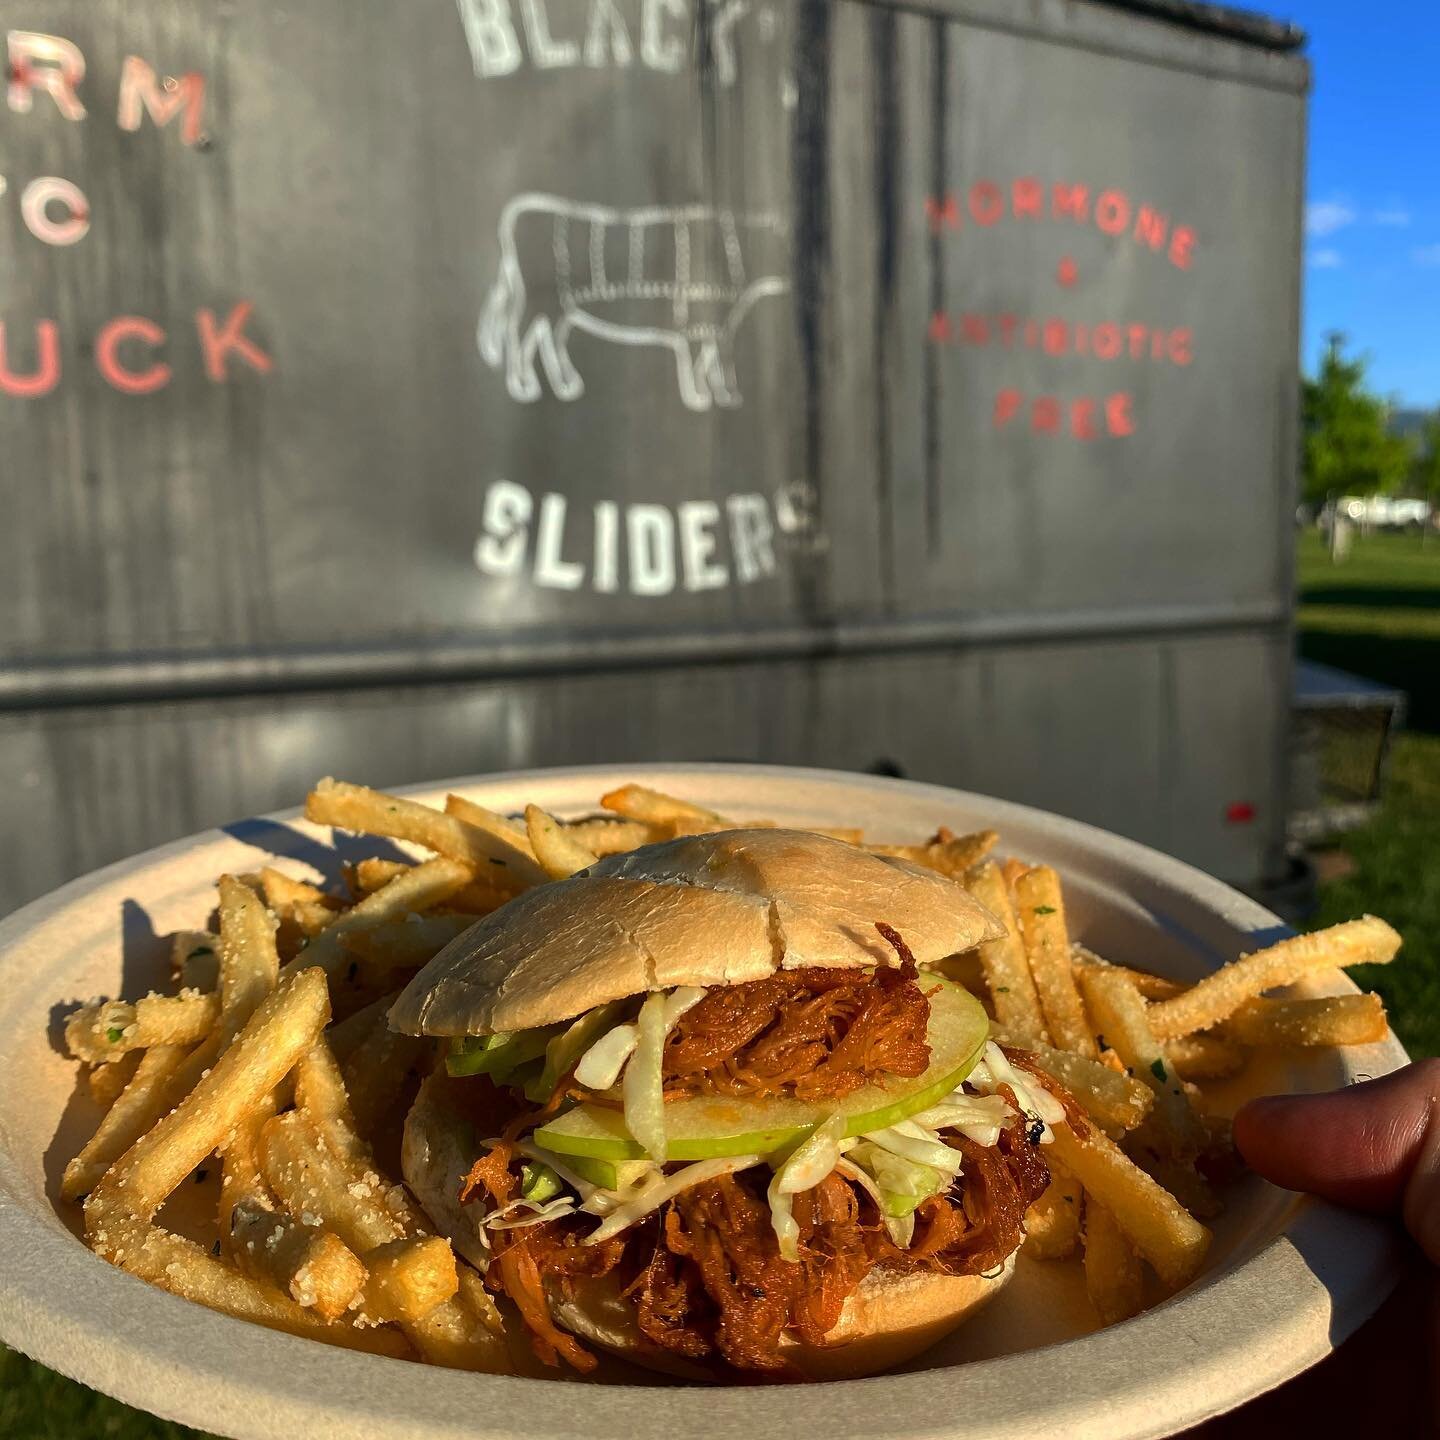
(1373, 244)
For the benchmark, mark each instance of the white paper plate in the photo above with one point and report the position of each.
(1287, 1280)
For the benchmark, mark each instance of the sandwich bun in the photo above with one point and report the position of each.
(717, 909)
(891, 1318)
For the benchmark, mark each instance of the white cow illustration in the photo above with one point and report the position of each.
(681, 277)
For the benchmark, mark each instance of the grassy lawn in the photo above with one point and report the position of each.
(1396, 875)
(1376, 613)
(37, 1404)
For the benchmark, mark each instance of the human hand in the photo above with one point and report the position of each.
(1373, 1146)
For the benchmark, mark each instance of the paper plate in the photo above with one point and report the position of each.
(1288, 1278)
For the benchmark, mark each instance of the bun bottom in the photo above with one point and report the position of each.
(891, 1318)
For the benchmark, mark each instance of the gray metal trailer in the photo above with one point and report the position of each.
(406, 390)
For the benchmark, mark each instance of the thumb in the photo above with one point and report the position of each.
(1374, 1146)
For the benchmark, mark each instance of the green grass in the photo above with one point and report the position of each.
(1397, 876)
(1377, 614)
(37, 1404)
(1386, 563)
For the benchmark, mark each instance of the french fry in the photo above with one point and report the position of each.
(1118, 1012)
(1329, 1020)
(280, 1031)
(1205, 1056)
(357, 1204)
(313, 1266)
(309, 917)
(636, 802)
(112, 1028)
(952, 857)
(501, 826)
(375, 1072)
(1215, 998)
(249, 971)
(320, 1093)
(1007, 972)
(282, 890)
(122, 1207)
(610, 835)
(325, 1108)
(420, 888)
(1152, 987)
(1052, 1223)
(345, 1035)
(458, 1335)
(241, 1184)
(368, 875)
(142, 1102)
(966, 970)
(559, 854)
(397, 945)
(479, 1301)
(107, 1081)
(1112, 1099)
(1040, 908)
(1012, 869)
(355, 807)
(249, 965)
(1171, 1239)
(1183, 1181)
(475, 898)
(409, 1277)
(1112, 1269)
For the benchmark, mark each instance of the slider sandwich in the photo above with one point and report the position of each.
(706, 1106)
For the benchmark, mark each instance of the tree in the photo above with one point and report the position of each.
(1425, 471)
(1347, 446)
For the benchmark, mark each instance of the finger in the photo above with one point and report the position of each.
(1374, 1146)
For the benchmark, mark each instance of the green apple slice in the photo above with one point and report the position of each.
(607, 1174)
(708, 1126)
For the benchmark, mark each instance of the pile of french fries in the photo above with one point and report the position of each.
(273, 1055)
(1138, 1052)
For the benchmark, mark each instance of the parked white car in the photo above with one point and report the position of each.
(1385, 512)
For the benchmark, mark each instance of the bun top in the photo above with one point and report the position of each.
(715, 909)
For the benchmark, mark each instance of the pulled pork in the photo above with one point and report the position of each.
(816, 1034)
(705, 1275)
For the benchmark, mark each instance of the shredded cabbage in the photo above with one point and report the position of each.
(900, 1228)
(600, 1066)
(643, 1089)
(537, 1214)
(605, 1202)
(1033, 1098)
(912, 1142)
(902, 1183)
(980, 1118)
(806, 1166)
(654, 1196)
